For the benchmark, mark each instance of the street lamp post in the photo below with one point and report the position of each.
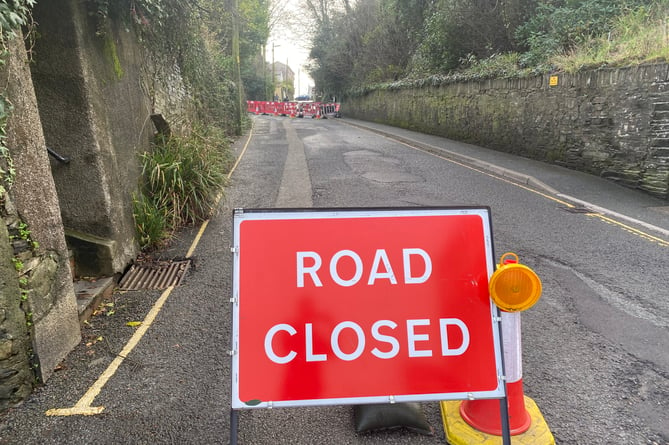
(264, 70)
(273, 71)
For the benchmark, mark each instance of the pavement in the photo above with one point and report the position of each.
(586, 192)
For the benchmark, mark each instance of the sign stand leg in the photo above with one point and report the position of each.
(234, 426)
(503, 402)
(504, 413)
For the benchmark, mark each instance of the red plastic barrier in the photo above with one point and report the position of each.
(315, 110)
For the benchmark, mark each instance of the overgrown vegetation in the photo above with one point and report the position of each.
(7, 172)
(390, 43)
(638, 36)
(13, 15)
(179, 34)
(183, 179)
(184, 173)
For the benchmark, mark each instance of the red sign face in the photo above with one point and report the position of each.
(343, 306)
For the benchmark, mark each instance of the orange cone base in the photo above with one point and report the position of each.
(459, 432)
(484, 415)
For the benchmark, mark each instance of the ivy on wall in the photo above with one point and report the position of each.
(7, 172)
(191, 35)
(138, 12)
(14, 14)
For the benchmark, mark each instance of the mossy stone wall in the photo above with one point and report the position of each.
(609, 122)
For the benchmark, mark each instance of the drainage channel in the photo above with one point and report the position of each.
(576, 209)
(157, 275)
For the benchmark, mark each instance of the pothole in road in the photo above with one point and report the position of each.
(376, 167)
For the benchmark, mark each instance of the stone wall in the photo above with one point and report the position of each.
(16, 377)
(609, 122)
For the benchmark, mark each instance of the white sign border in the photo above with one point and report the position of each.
(240, 215)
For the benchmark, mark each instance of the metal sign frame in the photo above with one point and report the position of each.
(241, 216)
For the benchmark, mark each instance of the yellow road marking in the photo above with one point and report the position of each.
(629, 229)
(239, 158)
(83, 406)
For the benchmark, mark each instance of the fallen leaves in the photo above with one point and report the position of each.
(94, 341)
(105, 308)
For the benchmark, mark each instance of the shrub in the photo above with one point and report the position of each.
(638, 36)
(183, 178)
(558, 27)
(150, 221)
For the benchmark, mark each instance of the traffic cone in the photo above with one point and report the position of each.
(484, 415)
(479, 421)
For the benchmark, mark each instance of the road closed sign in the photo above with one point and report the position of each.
(339, 306)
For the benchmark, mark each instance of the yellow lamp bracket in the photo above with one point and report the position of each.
(513, 286)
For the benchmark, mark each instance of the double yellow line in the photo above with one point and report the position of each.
(595, 214)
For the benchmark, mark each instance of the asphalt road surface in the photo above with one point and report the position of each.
(595, 346)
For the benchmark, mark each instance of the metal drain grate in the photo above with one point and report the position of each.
(159, 275)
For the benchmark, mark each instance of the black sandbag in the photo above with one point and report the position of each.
(388, 416)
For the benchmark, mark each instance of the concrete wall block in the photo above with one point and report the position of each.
(35, 203)
(96, 113)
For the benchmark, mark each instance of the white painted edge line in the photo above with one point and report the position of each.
(606, 211)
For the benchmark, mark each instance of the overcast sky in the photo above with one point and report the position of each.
(290, 43)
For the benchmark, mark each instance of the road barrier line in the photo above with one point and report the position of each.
(239, 158)
(596, 211)
(632, 230)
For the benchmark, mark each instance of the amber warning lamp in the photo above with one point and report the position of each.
(514, 287)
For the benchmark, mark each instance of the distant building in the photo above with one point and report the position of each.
(284, 78)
